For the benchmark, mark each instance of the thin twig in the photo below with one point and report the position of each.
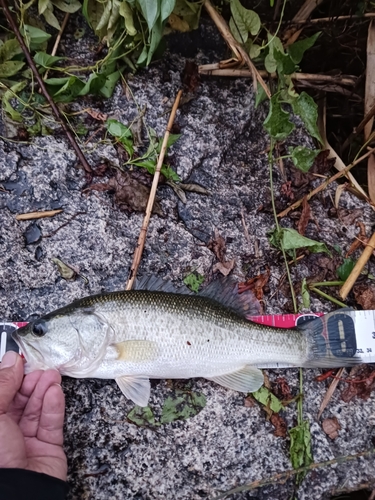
(236, 47)
(368, 15)
(142, 236)
(325, 184)
(39, 79)
(57, 41)
(358, 129)
(284, 476)
(328, 395)
(216, 70)
(38, 215)
(362, 261)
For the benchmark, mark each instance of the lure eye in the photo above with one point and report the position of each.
(39, 329)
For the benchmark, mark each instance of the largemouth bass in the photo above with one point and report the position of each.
(132, 336)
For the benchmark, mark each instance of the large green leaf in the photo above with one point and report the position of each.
(345, 269)
(9, 49)
(277, 122)
(290, 239)
(150, 11)
(45, 60)
(166, 8)
(265, 396)
(36, 36)
(300, 445)
(246, 21)
(303, 158)
(127, 13)
(50, 17)
(10, 68)
(297, 49)
(306, 108)
(156, 35)
(187, 404)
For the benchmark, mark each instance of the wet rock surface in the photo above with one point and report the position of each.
(223, 147)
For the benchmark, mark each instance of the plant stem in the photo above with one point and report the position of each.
(328, 297)
(326, 283)
(284, 476)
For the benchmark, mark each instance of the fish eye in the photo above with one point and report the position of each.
(39, 329)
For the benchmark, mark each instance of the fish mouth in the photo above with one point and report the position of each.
(29, 352)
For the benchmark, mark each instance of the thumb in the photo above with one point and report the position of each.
(11, 375)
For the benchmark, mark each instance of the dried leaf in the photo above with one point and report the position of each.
(365, 296)
(67, 272)
(224, 267)
(280, 425)
(282, 389)
(97, 115)
(190, 75)
(255, 284)
(217, 246)
(194, 188)
(361, 386)
(305, 217)
(331, 426)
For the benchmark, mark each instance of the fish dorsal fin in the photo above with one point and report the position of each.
(136, 388)
(225, 291)
(157, 284)
(247, 379)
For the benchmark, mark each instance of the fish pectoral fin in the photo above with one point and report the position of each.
(136, 351)
(248, 379)
(135, 388)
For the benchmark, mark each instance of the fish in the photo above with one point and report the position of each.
(155, 332)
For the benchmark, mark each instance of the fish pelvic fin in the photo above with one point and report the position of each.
(247, 379)
(137, 389)
(331, 340)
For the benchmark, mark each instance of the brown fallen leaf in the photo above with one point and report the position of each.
(280, 425)
(286, 190)
(360, 384)
(256, 284)
(365, 296)
(224, 267)
(97, 115)
(282, 389)
(249, 402)
(190, 76)
(305, 217)
(331, 427)
(129, 194)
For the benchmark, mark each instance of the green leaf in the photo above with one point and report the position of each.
(69, 6)
(185, 405)
(93, 85)
(239, 32)
(194, 281)
(45, 60)
(42, 6)
(345, 269)
(189, 12)
(9, 49)
(127, 13)
(254, 51)
(68, 88)
(156, 36)
(103, 21)
(36, 36)
(118, 129)
(10, 68)
(50, 17)
(150, 11)
(303, 158)
(171, 140)
(266, 398)
(290, 239)
(277, 122)
(9, 94)
(305, 294)
(306, 108)
(260, 96)
(285, 64)
(244, 19)
(300, 445)
(110, 84)
(166, 8)
(141, 416)
(297, 49)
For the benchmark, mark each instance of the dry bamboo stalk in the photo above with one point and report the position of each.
(57, 41)
(369, 15)
(360, 127)
(325, 184)
(217, 70)
(362, 261)
(236, 47)
(142, 235)
(38, 215)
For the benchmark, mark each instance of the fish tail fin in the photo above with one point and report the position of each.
(331, 340)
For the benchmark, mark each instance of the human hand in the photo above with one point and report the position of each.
(31, 419)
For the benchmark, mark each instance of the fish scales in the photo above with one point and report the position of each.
(136, 335)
